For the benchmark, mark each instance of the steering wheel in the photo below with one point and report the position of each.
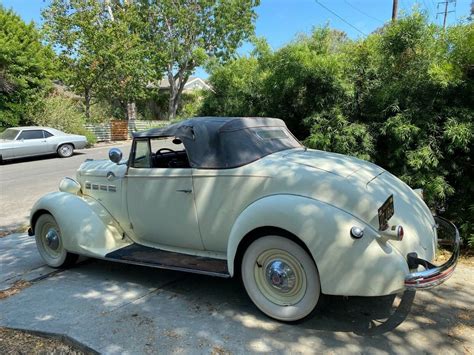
(160, 151)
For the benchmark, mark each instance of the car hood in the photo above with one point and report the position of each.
(101, 168)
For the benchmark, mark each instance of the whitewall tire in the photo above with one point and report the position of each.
(281, 278)
(49, 243)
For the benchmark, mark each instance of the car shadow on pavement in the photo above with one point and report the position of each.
(36, 158)
(364, 316)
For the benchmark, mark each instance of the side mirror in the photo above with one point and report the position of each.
(115, 155)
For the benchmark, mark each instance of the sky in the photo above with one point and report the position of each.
(279, 21)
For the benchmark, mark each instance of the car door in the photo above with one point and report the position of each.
(51, 142)
(30, 142)
(160, 201)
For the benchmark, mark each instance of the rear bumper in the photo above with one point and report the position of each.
(434, 275)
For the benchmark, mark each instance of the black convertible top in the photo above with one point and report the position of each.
(227, 142)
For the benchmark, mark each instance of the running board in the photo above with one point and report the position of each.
(140, 255)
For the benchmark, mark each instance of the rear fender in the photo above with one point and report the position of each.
(86, 227)
(347, 266)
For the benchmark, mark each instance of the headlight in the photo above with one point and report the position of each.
(70, 185)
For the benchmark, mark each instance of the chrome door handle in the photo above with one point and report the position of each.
(185, 191)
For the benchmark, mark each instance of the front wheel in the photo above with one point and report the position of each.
(50, 245)
(281, 278)
(65, 150)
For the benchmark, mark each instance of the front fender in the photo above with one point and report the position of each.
(86, 227)
(346, 266)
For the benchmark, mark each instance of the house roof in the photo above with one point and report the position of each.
(165, 84)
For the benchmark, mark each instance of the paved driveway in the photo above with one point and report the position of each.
(23, 182)
(116, 308)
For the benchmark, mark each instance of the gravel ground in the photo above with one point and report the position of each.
(20, 342)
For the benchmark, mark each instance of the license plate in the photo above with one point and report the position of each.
(385, 213)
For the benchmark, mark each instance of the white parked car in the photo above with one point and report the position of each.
(242, 197)
(21, 142)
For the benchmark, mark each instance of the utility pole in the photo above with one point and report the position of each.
(471, 17)
(394, 10)
(445, 12)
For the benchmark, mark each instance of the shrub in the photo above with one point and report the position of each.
(64, 114)
(191, 103)
(333, 132)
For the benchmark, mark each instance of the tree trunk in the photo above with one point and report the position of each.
(171, 104)
(87, 100)
(131, 111)
(176, 90)
(172, 95)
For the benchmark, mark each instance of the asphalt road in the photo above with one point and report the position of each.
(23, 182)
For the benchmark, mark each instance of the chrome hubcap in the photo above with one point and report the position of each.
(280, 276)
(65, 149)
(52, 239)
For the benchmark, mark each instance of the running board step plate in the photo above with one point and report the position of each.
(146, 256)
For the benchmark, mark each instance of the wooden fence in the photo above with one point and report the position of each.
(121, 130)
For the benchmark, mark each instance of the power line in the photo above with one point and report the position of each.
(362, 12)
(445, 12)
(339, 17)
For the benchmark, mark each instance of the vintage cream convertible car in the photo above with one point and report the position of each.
(242, 197)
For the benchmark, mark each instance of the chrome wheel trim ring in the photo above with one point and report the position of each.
(280, 277)
(51, 240)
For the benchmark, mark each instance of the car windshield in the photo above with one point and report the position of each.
(9, 134)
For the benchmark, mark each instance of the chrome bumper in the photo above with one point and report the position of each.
(435, 275)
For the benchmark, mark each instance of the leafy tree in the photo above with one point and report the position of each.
(100, 47)
(238, 89)
(300, 80)
(305, 78)
(26, 68)
(189, 32)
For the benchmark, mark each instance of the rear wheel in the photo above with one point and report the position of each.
(50, 244)
(281, 278)
(65, 150)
